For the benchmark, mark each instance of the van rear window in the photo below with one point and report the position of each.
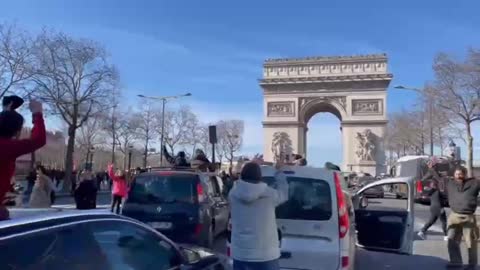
(163, 189)
(308, 199)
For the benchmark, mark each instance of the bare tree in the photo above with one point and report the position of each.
(146, 128)
(111, 123)
(200, 139)
(179, 127)
(127, 134)
(75, 79)
(405, 133)
(230, 137)
(16, 58)
(89, 137)
(457, 91)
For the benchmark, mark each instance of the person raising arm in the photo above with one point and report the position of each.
(11, 124)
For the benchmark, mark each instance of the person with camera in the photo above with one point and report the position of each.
(11, 124)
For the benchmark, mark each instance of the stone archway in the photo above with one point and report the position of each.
(353, 88)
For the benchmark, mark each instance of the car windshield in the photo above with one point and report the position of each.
(164, 188)
(308, 199)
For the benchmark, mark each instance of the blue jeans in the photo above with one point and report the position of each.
(268, 265)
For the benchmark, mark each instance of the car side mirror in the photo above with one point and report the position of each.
(191, 256)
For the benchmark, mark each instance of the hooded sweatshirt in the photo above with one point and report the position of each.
(254, 227)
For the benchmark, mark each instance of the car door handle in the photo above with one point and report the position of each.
(285, 255)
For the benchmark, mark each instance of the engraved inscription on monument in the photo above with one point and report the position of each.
(367, 106)
(281, 109)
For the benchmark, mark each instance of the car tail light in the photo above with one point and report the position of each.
(198, 229)
(229, 253)
(345, 262)
(419, 186)
(200, 194)
(343, 222)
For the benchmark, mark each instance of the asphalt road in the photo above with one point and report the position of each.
(428, 254)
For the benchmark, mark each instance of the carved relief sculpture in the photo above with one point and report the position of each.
(281, 108)
(281, 144)
(366, 145)
(367, 106)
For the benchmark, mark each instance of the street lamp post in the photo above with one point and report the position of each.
(130, 149)
(430, 113)
(164, 101)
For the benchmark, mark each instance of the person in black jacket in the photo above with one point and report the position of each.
(436, 211)
(201, 162)
(86, 192)
(462, 222)
(179, 160)
(436, 198)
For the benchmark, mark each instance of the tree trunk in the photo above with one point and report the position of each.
(145, 156)
(440, 141)
(113, 154)
(469, 150)
(125, 158)
(69, 158)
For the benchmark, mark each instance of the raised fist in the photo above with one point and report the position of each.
(35, 106)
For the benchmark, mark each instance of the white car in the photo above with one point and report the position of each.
(321, 224)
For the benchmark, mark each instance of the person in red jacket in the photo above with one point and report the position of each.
(11, 124)
(120, 188)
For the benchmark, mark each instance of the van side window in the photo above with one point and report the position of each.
(308, 199)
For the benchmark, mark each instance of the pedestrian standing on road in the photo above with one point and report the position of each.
(436, 200)
(120, 188)
(86, 192)
(11, 124)
(436, 211)
(255, 240)
(462, 198)
(42, 190)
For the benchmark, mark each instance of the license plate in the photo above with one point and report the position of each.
(161, 225)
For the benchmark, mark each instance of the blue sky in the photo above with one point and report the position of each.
(215, 49)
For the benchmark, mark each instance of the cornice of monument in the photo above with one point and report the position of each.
(319, 69)
(339, 78)
(326, 59)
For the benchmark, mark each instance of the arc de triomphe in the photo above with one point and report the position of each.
(353, 88)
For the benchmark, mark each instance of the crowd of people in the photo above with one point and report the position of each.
(255, 242)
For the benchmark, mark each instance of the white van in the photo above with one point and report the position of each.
(319, 224)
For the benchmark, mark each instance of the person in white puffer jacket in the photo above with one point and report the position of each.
(255, 242)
